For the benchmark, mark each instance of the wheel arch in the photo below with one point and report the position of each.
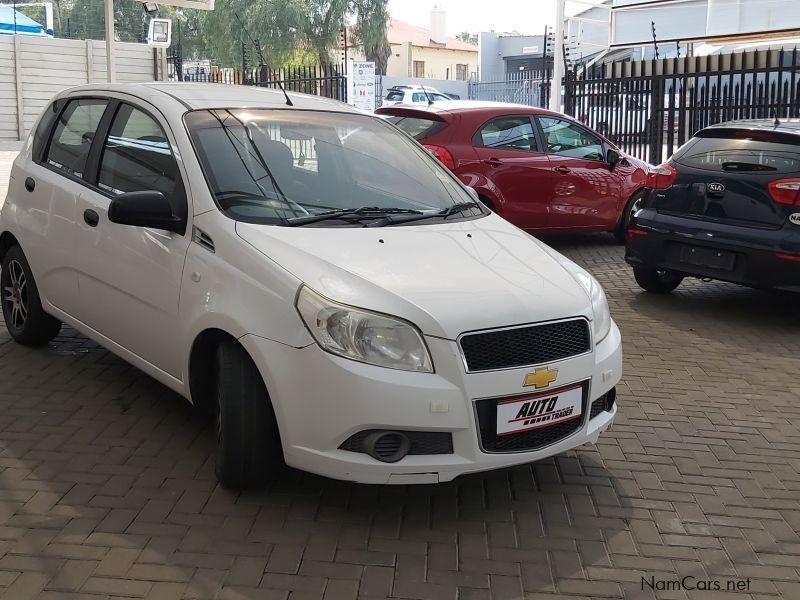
(7, 241)
(202, 368)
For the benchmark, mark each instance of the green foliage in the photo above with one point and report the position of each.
(469, 38)
(286, 31)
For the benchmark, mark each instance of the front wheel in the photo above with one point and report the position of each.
(656, 280)
(633, 205)
(25, 318)
(249, 446)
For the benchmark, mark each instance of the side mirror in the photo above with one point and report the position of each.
(612, 158)
(145, 209)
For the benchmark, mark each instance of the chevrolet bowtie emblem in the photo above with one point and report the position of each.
(540, 378)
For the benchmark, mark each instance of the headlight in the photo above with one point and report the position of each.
(601, 324)
(363, 336)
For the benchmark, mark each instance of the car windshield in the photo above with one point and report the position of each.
(270, 166)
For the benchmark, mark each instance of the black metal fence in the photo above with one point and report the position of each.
(319, 80)
(650, 108)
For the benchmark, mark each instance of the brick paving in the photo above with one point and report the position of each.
(107, 487)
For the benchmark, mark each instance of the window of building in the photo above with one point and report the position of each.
(419, 68)
(462, 72)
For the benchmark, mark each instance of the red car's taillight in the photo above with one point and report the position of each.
(785, 191)
(661, 177)
(443, 154)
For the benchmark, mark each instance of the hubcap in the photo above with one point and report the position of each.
(15, 294)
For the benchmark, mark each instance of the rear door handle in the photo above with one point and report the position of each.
(562, 169)
(91, 217)
(30, 184)
(493, 162)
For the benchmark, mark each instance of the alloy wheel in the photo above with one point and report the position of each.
(15, 294)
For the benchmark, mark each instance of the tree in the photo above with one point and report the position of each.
(372, 21)
(469, 38)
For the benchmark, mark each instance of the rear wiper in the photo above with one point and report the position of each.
(442, 214)
(355, 214)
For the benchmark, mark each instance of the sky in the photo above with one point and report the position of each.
(526, 16)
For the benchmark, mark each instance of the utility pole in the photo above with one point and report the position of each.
(110, 39)
(558, 58)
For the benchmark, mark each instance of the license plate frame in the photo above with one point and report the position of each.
(541, 410)
(710, 258)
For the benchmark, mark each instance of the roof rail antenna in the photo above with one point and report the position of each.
(427, 95)
(775, 116)
(261, 58)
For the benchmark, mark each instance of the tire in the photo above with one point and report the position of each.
(657, 281)
(249, 450)
(631, 207)
(25, 318)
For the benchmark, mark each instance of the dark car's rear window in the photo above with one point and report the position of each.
(740, 154)
(416, 127)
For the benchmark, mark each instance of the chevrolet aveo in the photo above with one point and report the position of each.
(309, 275)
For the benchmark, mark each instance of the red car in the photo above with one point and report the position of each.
(542, 171)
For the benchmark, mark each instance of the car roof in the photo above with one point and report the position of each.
(474, 106)
(196, 96)
(791, 126)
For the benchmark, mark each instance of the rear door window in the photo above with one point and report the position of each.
(508, 133)
(73, 135)
(740, 156)
(416, 127)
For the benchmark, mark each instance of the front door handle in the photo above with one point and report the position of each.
(562, 169)
(30, 184)
(493, 162)
(91, 217)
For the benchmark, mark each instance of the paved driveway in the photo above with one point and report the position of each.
(107, 486)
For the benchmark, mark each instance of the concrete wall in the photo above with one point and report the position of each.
(33, 70)
(440, 63)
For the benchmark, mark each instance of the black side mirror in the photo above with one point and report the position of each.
(145, 209)
(612, 158)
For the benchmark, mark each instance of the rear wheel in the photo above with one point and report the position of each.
(634, 204)
(249, 446)
(656, 280)
(25, 318)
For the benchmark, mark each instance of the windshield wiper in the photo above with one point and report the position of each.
(354, 214)
(442, 214)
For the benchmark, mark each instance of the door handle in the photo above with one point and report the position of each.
(493, 162)
(30, 184)
(562, 169)
(91, 217)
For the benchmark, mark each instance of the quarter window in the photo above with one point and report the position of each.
(568, 139)
(509, 133)
(137, 155)
(72, 138)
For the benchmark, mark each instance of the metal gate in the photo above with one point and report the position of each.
(529, 87)
(650, 108)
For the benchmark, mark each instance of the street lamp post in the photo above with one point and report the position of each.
(109, 4)
(558, 58)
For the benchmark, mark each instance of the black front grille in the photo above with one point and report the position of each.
(598, 406)
(525, 346)
(526, 440)
(422, 442)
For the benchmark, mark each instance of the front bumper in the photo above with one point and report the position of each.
(321, 400)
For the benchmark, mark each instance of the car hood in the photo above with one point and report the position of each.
(446, 278)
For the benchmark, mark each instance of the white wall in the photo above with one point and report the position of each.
(33, 70)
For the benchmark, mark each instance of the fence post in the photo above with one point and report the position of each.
(18, 80)
(89, 61)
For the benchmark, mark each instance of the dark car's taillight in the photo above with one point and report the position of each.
(443, 154)
(661, 177)
(785, 191)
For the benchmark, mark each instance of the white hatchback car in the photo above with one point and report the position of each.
(310, 275)
(413, 94)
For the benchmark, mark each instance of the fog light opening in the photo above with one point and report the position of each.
(387, 446)
(611, 398)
